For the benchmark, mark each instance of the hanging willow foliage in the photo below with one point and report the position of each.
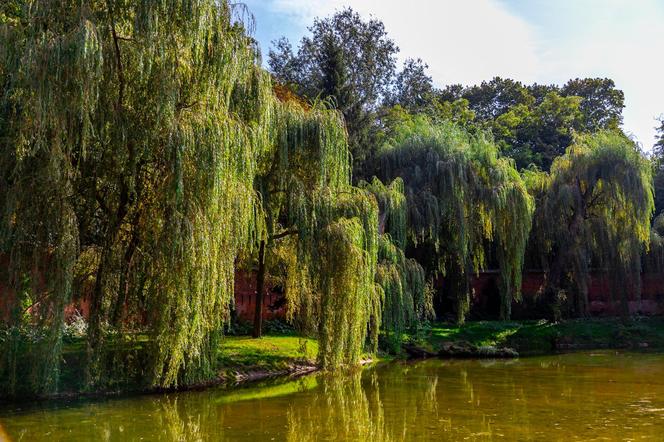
(654, 261)
(331, 276)
(595, 210)
(306, 192)
(148, 136)
(461, 195)
(406, 295)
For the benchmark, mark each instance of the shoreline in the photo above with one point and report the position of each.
(244, 360)
(249, 376)
(242, 378)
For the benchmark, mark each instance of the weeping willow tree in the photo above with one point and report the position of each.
(136, 129)
(137, 143)
(594, 210)
(331, 273)
(331, 227)
(406, 295)
(462, 199)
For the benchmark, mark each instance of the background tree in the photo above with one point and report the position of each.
(535, 123)
(538, 134)
(283, 63)
(602, 103)
(492, 98)
(413, 88)
(348, 60)
(658, 165)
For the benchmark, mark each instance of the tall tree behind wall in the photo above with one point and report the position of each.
(658, 164)
(348, 60)
(536, 123)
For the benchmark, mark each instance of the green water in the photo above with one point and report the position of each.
(586, 396)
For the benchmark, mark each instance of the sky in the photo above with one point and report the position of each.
(543, 41)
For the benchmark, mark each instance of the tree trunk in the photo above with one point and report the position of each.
(95, 337)
(260, 282)
(123, 289)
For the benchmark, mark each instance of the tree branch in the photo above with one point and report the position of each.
(284, 234)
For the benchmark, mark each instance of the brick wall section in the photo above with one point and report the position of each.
(484, 300)
(245, 298)
(600, 297)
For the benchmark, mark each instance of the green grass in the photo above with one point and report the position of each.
(530, 337)
(266, 353)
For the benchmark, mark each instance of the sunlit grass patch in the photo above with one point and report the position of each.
(268, 352)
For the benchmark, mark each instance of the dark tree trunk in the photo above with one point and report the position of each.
(260, 282)
(119, 310)
(95, 337)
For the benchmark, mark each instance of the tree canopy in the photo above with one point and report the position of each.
(535, 123)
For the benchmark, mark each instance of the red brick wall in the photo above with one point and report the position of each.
(484, 296)
(245, 298)
(600, 297)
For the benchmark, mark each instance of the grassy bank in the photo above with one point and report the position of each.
(541, 337)
(239, 358)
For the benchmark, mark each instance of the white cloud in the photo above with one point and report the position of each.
(463, 42)
(474, 40)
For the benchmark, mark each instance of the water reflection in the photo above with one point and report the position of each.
(571, 397)
(343, 408)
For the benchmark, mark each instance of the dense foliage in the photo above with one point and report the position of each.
(593, 210)
(406, 293)
(461, 196)
(146, 134)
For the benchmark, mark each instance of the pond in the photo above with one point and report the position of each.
(604, 395)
